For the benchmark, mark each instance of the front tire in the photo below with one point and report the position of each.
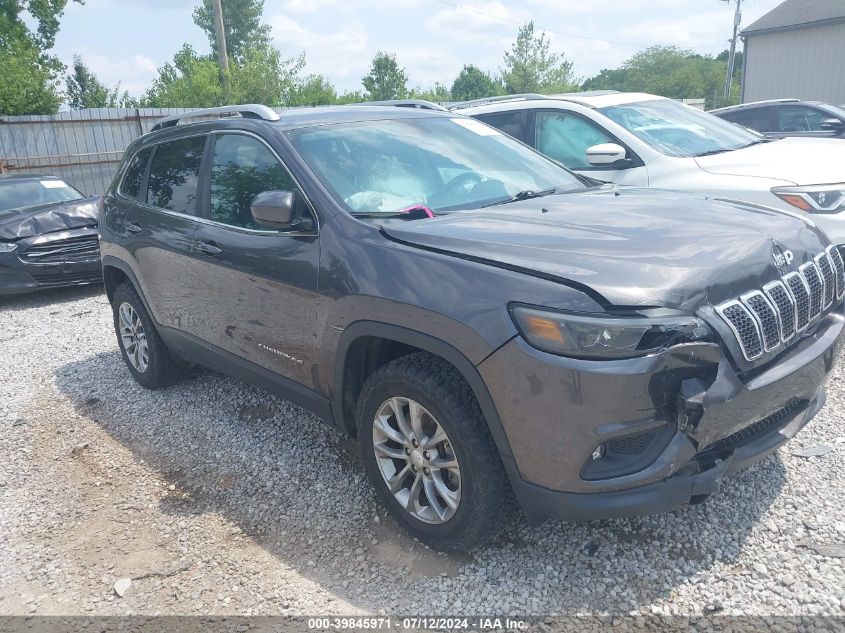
(145, 354)
(429, 454)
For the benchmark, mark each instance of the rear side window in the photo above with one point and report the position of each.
(174, 174)
(131, 183)
(511, 123)
(241, 168)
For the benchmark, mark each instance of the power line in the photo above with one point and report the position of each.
(575, 35)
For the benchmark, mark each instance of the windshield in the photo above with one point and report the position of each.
(679, 130)
(20, 194)
(441, 163)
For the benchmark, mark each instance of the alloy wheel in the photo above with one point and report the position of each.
(133, 338)
(417, 460)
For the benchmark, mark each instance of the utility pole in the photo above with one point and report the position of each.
(220, 36)
(732, 54)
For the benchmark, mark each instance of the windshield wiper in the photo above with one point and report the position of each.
(732, 149)
(523, 195)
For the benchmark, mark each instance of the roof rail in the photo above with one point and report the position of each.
(528, 96)
(247, 111)
(584, 93)
(422, 104)
(739, 106)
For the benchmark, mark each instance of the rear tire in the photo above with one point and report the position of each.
(145, 354)
(429, 454)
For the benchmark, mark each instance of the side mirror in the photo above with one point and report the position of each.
(274, 209)
(834, 125)
(605, 154)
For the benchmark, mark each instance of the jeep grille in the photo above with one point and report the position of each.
(763, 320)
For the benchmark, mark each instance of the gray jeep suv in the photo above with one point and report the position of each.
(488, 324)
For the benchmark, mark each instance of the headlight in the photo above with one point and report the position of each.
(7, 247)
(605, 337)
(815, 198)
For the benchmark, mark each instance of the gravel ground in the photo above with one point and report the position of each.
(214, 497)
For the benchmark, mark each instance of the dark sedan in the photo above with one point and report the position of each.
(48, 234)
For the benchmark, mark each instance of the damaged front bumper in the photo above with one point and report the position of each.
(700, 420)
(63, 258)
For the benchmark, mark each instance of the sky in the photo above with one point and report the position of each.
(127, 40)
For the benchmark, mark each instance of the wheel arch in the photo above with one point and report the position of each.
(406, 341)
(116, 271)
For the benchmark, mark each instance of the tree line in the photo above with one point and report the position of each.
(36, 82)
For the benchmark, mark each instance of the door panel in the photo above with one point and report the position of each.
(260, 285)
(159, 229)
(160, 245)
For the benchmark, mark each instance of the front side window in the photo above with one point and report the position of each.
(675, 129)
(796, 118)
(174, 174)
(131, 183)
(445, 164)
(24, 193)
(241, 168)
(566, 137)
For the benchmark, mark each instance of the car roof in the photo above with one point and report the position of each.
(290, 119)
(326, 115)
(597, 99)
(29, 176)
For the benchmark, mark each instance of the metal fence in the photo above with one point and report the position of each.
(84, 147)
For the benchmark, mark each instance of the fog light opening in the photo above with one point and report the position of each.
(599, 452)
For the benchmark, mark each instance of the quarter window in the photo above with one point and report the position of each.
(241, 168)
(565, 137)
(174, 174)
(131, 183)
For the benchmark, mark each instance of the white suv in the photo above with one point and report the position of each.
(649, 141)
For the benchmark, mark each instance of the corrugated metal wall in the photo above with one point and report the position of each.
(84, 147)
(804, 63)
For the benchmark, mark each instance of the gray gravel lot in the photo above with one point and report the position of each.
(214, 497)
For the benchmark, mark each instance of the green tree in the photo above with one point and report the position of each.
(607, 79)
(263, 76)
(473, 83)
(189, 81)
(29, 80)
(351, 96)
(26, 86)
(669, 71)
(386, 79)
(313, 90)
(531, 67)
(193, 81)
(241, 25)
(437, 93)
(84, 90)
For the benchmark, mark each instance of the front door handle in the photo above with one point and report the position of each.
(209, 248)
(131, 227)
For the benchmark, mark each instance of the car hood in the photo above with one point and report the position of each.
(800, 161)
(59, 216)
(626, 247)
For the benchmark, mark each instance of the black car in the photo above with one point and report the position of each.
(788, 117)
(48, 234)
(483, 320)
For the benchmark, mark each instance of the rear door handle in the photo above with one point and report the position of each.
(131, 227)
(209, 248)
